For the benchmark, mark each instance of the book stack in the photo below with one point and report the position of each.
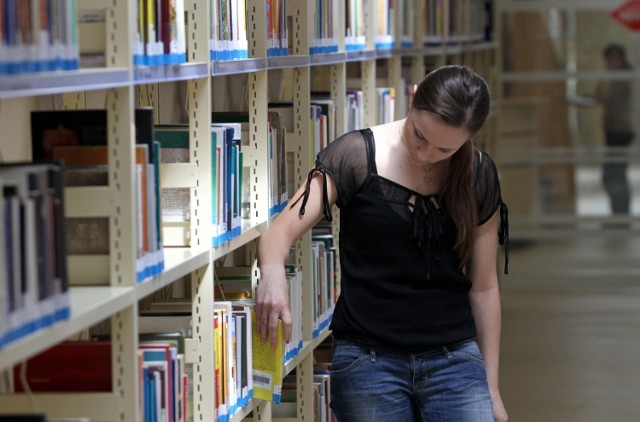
(33, 275)
(78, 139)
(38, 36)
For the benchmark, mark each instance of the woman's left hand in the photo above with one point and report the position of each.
(499, 411)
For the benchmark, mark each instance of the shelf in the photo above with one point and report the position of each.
(360, 56)
(178, 262)
(47, 83)
(89, 306)
(233, 67)
(328, 59)
(95, 406)
(248, 234)
(146, 75)
(288, 62)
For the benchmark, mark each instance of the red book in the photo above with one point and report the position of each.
(71, 366)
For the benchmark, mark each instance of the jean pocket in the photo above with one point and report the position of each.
(467, 350)
(347, 356)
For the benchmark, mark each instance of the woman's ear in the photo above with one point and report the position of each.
(412, 94)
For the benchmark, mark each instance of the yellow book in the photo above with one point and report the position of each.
(268, 365)
(218, 363)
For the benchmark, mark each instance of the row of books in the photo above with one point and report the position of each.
(278, 125)
(227, 163)
(323, 278)
(233, 357)
(244, 366)
(229, 30)
(164, 378)
(325, 25)
(236, 284)
(78, 140)
(38, 36)
(33, 274)
(230, 176)
(277, 28)
(321, 388)
(323, 123)
(160, 33)
(455, 21)
(386, 99)
(384, 37)
(238, 354)
(43, 35)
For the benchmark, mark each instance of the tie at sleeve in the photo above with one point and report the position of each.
(318, 169)
(503, 234)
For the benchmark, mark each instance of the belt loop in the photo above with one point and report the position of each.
(446, 352)
(373, 356)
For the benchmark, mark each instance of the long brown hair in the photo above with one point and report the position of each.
(458, 97)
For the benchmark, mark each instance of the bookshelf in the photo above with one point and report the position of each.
(191, 88)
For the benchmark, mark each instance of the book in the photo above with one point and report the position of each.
(70, 366)
(268, 365)
(50, 129)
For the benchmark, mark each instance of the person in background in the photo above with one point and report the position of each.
(417, 325)
(615, 97)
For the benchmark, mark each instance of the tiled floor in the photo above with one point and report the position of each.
(571, 330)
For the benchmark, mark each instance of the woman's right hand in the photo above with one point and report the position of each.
(272, 304)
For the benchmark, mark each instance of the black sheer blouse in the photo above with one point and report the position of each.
(402, 284)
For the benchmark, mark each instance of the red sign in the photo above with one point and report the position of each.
(628, 14)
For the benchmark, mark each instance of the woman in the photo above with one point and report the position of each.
(417, 325)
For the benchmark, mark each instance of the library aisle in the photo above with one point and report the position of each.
(571, 323)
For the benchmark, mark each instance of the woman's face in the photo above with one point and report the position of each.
(429, 140)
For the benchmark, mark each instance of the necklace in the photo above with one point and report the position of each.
(427, 178)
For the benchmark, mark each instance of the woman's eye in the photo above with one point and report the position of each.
(418, 135)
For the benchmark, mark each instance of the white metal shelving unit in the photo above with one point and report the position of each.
(120, 80)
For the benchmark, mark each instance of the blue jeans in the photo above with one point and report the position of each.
(370, 383)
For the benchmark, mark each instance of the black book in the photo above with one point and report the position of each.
(50, 129)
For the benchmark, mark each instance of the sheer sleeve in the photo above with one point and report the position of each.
(489, 199)
(345, 161)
